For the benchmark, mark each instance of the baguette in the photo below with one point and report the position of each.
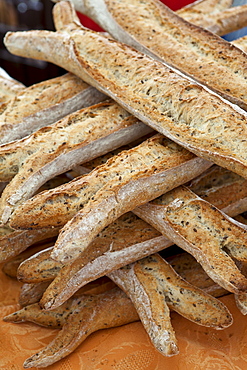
(106, 310)
(173, 41)
(120, 243)
(207, 7)
(10, 267)
(222, 188)
(204, 231)
(241, 43)
(32, 293)
(220, 20)
(95, 200)
(55, 149)
(152, 277)
(170, 103)
(17, 241)
(213, 185)
(186, 266)
(44, 103)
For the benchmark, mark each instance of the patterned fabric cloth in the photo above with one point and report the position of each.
(127, 347)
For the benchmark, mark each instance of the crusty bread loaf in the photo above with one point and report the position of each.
(44, 103)
(112, 245)
(175, 106)
(153, 286)
(57, 148)
(241, 43)
(217, 17)
(190, 49)
(32, 293)
(97, 199)
(202, 230)
(92, 313)
(207, 7)
(222, 188)
(17, 241)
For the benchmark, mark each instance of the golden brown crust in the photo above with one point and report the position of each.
(153, 286)
(44, 103)
(112, 189)
(59, 147)
(202, 230)
(176, 107)
(180, 44)
(102, 311)
(19, 240)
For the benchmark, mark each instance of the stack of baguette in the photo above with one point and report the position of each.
(138, 154)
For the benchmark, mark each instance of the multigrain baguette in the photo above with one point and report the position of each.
(241, 43)
(55, 149)
(93, 201)
(44, 103)
(184, 264)
(17, 241)
(221, 187)
(194, 51)
(31, 293)
(153, 286)
(169, 103)
(127, 233)
(213, 238)
(218, 18)
(102, 311)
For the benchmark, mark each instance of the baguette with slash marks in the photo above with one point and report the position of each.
(44, 103)
(208, 234)
(186, 266)
(160, 331)
(216, 16)
(154, 287)
(68, 278)
(162, 34)
(31, 293)
(55, 149)
(170, 103)
(102, 311)
(91, 202)
(13, 242)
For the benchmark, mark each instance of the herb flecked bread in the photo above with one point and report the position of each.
(171, 104)
(162, 34)
(44, 103)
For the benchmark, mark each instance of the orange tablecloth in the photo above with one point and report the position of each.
(127, 347)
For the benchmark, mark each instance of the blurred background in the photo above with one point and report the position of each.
(16, 15)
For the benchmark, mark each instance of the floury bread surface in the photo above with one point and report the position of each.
(180, 109)
(162, 34)
(44, 103)
(57, 148)
(95, 200)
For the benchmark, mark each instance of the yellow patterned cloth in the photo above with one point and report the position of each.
(127, 347)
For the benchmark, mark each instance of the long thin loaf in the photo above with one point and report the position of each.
(44, 103)
(162, 34)
(180, 109)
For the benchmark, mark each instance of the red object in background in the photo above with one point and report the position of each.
(172, 4)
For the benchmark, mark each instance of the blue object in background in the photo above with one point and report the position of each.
(236, 34)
